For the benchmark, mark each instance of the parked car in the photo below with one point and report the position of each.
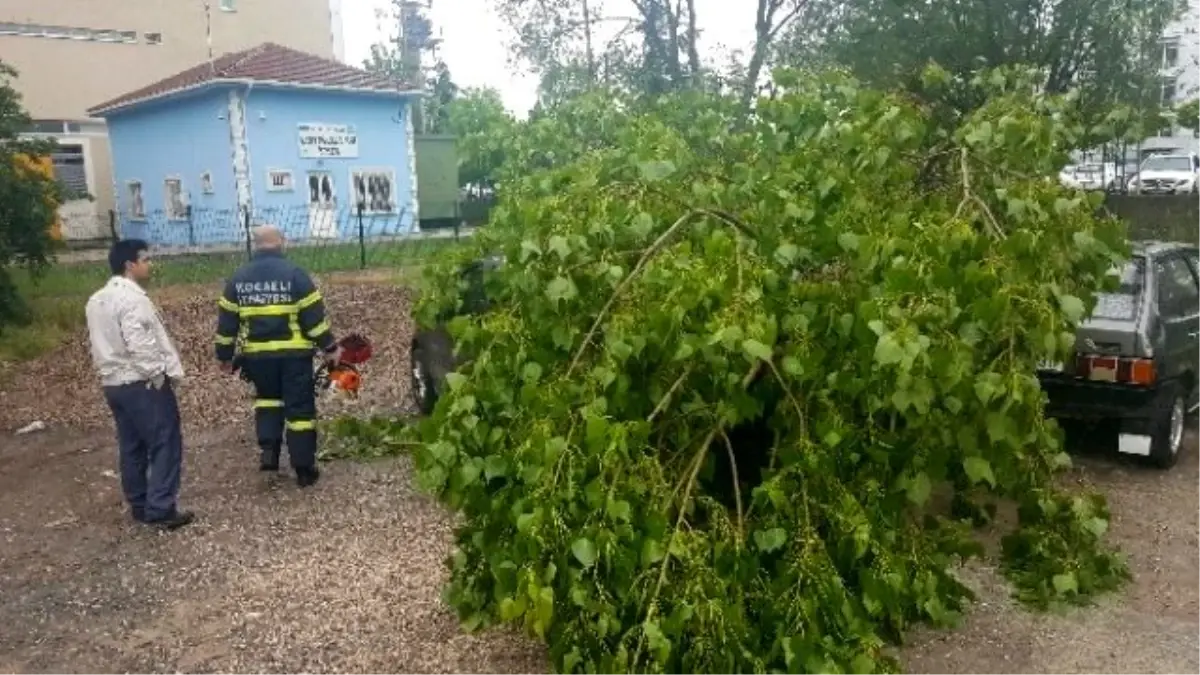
(1166, 175)
(1090, 176)
(432, 355)
(1136, 357)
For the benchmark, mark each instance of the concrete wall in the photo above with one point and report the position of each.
(183, 138)
(61, 77)
(1162, 217)
(272, 118)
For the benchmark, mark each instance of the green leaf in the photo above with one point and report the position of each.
(979, 470)
(1096, 525)
(1065, 583)
(642, 225)
(786, 253)
(652, 551)
(848, 241)
(584, 551)
(531, 372)
(561, 288)
(455, 380)
(888, 351)
(495, 466)
(1072, 307)
(558, 244)
(770, 540)
(656, 170)
(919, 488)
(756, 350)
(529, 249)
(862, 664)
(620, 510)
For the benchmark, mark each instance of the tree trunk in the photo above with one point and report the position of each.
(693, 40)
(587, 41)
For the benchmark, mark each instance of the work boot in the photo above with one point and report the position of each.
(307, 475)
(172, 521)
(269, 459)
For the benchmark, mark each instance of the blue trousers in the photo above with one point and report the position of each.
(284, 400)
(151, 446)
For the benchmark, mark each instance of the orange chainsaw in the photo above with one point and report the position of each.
(344, 375)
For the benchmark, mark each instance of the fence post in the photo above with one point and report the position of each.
(112, 225)
(362, 240)
(191, 226)
(246, 222)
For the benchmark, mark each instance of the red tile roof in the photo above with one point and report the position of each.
(267, 62)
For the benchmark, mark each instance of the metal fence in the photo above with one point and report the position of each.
(196, 245)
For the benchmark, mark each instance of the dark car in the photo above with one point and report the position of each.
(1136, 359)
(432, 356)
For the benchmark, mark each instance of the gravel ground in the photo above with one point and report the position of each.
(346, 577)
(61, 389)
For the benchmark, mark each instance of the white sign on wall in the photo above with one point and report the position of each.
(319, 141)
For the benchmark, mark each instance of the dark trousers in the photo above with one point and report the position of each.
(151, 446)
(284, 400)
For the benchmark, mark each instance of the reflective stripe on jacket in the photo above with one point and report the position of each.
(272, 307)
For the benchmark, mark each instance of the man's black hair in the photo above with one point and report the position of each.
(125, 251)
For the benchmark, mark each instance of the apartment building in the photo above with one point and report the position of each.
(1180, 80)
(73, 54)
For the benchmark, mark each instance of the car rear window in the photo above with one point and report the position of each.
(1122, 303)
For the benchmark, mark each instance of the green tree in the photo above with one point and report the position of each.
(28, 199)
(441, 94)
(1187, 114)
(484, 130)
(728, 365)
(1108, 49)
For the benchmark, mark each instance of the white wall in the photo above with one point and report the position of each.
(337, 30)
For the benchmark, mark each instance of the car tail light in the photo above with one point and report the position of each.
(1102, 368)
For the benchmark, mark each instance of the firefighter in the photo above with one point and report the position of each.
(277, 311)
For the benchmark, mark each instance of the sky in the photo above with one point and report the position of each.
(475, 38)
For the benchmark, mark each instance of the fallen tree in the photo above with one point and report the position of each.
(728, 367)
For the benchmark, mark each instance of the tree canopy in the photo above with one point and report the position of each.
(29, 198)
(731, 364)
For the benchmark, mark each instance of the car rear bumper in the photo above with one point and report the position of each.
(1073, 398)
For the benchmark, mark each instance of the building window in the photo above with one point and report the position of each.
(137, 206)
(1170, 52)
(69, 170)
(374, 190)
(176, 205)
(206, 183)
(153, 38)
(68, 32)
(1168, 91)
(228, 6)
(279, 180)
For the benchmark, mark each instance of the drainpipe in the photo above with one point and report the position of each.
(246, 140)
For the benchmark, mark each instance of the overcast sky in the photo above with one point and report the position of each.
(475, 39)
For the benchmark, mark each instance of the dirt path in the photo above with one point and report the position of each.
(343, 578)
(347, 577)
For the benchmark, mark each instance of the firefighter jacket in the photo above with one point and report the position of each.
(272, 308)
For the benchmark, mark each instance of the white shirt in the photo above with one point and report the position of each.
(129, 342)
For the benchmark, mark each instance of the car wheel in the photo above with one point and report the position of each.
(1167, 439)
(422, 384)
(432, 359)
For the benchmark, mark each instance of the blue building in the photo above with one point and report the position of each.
(266, 135)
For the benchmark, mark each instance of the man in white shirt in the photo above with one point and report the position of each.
(138, 365)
